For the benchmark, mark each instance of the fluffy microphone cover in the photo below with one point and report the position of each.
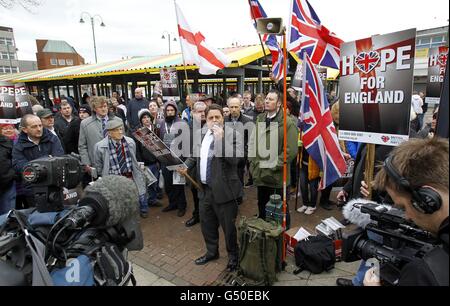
(354, 214)
(121, 194)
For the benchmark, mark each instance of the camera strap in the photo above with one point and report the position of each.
(41, 276)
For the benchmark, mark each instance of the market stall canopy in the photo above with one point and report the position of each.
(239, 56)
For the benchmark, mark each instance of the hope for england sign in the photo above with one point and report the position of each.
(376, 87)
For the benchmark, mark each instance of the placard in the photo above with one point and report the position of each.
(437, 61)
(376, 87)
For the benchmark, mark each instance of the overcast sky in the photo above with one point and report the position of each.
(135, 27)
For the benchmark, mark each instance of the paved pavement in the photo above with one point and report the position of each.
(170, 249)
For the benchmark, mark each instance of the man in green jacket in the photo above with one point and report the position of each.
(266, 150)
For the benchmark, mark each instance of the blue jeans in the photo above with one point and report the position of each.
(358, 280)
(143, 205)
(420, 117)
(153, 189)
(8, 199)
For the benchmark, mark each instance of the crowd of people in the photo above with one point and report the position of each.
(100, 130)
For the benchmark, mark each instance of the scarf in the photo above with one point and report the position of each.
(114, 166)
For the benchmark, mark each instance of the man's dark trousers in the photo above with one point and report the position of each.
(211, 216)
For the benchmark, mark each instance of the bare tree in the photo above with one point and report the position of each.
(28, 5)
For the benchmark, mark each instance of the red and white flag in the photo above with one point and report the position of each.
(196, 50)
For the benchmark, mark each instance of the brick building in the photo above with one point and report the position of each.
(56, 54)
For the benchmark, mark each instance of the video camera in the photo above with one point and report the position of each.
(49, 176)
(396, 242)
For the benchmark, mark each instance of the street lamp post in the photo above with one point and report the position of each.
(92, 18)
(168, 38)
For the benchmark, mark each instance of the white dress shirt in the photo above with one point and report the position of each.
(204, 151)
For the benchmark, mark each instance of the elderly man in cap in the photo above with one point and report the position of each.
(48, 120)
(116, 155)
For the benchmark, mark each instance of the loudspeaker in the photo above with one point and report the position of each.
(270, 26)
(424, 199)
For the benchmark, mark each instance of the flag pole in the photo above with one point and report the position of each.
(260, 39)
(182, 53)
(284, 139)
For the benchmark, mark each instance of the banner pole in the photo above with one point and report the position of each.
(182, 53)
(260, 39)
(196, 185)
(369, 166)
(284, 141)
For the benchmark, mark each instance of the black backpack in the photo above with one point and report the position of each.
(315, 254)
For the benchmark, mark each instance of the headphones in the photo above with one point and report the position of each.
(424, 199)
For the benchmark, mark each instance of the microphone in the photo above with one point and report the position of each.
(107, 202)
(352, 211)
(110, 202)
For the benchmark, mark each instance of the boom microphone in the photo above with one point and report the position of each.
(107, 202)
(352, 212)
(111, 202)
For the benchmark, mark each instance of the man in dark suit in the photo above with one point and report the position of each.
(219, 153)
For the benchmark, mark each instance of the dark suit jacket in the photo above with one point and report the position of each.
(225, 183)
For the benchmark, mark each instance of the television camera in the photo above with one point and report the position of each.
(36, 244)
(396, 243)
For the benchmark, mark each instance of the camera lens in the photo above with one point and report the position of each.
(34, 173)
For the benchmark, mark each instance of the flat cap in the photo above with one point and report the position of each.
(113, 124)
(44, 113)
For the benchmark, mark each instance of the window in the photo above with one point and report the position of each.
(3, 55)
(437, 39)
(53, 62)
(69, 62)
(15, 69)
(7, 69)
(12, 56)
(424, 41)
(61, 62)
(2, 42)
(9, 41)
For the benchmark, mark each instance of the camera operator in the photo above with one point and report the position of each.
(416, 177)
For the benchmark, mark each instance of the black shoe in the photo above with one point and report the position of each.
(192, 221)
(326, 206)
(168, 208)
(232, 265)
(344, 282)
(144, 215)
(181, 212)
(204, 259)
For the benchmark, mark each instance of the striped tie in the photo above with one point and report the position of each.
(121, 159)
(104, 127)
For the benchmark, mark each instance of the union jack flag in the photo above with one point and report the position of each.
(256, 12)
(319, 134)
(307, 34)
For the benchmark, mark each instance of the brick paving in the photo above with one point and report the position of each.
(170, 248)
